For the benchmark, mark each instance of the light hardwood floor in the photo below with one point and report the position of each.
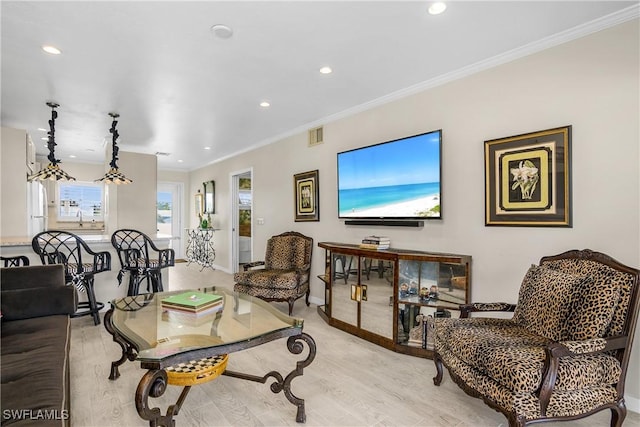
(351, 382)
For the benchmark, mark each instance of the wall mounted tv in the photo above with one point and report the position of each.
(392, 182)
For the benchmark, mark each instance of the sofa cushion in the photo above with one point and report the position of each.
(514, 357)
(563, 403)
(34, 373)
(274, 279)
(544, 301)
(592, 308)
(594, 303)
(271, 293)
(36, 302)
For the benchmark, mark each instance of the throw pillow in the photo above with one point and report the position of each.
(593, 305)
(544, 301)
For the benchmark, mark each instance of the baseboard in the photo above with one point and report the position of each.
(316, 300)
(633, 404)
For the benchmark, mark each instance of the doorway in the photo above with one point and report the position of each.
(169, 213)
(242, 208)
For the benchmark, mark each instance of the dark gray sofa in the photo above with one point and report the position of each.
(36, 334)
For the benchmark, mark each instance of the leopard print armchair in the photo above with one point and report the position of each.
(285, 272)
(564, 353)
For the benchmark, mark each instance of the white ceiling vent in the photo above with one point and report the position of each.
(315, 136)
(160, 153)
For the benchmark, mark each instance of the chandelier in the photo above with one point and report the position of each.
(114, 176)
(52, 171)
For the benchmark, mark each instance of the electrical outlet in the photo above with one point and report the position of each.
(260, 221)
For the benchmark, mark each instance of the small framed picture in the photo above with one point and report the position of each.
(527, 179)
(307, 199)
(199, 204)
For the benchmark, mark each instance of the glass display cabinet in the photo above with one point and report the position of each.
(390, 297)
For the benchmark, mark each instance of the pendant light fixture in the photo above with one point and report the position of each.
(52, 171)
(114, 176)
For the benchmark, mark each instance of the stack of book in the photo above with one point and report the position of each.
(375, 242)
(193, 304)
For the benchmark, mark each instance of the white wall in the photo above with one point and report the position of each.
(13, 182)
(135, 203)
(591, 83)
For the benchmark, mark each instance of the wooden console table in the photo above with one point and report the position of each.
(389, 296)
(200, 247)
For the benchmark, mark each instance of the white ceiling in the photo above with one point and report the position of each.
(178, 88)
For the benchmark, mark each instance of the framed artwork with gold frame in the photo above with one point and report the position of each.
(528, 179)
(199, 203)
(307, 200)
(209, 197)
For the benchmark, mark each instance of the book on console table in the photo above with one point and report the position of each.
(374, 246)
(377, 240)
(193, 302)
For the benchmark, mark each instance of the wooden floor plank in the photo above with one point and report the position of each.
(350, 383)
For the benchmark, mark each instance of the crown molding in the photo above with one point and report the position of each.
(608, 21)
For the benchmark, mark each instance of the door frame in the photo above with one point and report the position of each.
(177, 214)
(234, 182)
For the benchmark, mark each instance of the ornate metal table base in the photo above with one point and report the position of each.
(200, 247)
(128, 352)
(284, 384)
(154, 382)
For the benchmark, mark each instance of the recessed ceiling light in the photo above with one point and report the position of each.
(265, 104)
(207, 148)
(42, 129)
(51, 49)
(326, 70)
(72, 156)
(437, 8)
(221, 31)
(180, 161)
(44, 138)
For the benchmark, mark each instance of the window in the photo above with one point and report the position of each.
(164, 212)
(80, 200)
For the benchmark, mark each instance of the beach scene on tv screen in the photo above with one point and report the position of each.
(398, 179)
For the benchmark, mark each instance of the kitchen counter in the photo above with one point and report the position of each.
(106, 284)
(89, 238)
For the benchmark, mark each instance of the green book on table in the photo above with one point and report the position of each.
(192, 301)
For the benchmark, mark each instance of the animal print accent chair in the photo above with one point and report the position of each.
(564, 353)
(285, 275)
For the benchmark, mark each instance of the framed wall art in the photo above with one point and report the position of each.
(528, 179)
(199, 203)
(307, 198)
(209, 197)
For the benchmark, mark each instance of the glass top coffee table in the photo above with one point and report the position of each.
(162, 337)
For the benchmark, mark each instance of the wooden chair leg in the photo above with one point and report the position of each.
(158, 285)
(133, 284)
(93, 305)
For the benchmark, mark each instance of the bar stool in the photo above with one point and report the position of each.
(140, 257)
(81, 264)
(14, 261)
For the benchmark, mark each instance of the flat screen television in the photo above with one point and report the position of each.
(394, 180)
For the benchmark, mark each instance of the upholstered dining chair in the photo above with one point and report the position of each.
(141, 259)
(81, 264)
(14, 261)
(564, 353)
(284, 275)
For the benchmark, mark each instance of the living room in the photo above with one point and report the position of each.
(590, 83)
